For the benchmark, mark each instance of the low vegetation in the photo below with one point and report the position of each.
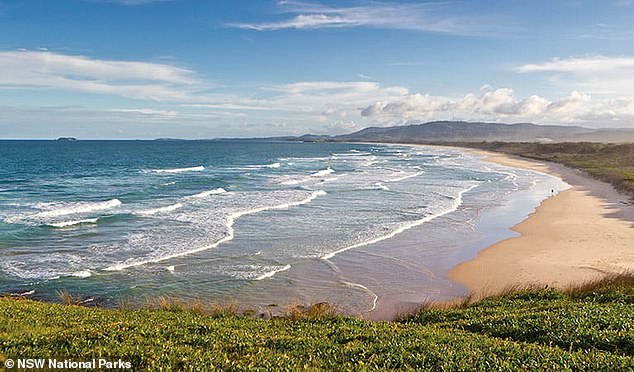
(585, 328)
(612, 163)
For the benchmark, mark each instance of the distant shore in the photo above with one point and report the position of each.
(580, 234)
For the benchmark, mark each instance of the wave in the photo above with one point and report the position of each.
(403, 178)
(272, 273)
(311, 177)
(273, 165)
(74, 223)
(292, 182)
(381, 186)
(323, 172)
(369, 163)
(22, 294)
(367, 290)
(307, 158)
(205, 194)
(354, 153)
(150, 212)
(199, 168)
(77, 208)
(82, 274)
(457, 203)
(231, 219)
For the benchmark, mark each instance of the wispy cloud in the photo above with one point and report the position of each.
(132, 79)
(599, 75)
(581, 65)
(425, 17)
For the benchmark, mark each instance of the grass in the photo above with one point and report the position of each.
(612, 163)
(589, 327)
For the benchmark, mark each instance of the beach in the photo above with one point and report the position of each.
(578, 235)
(392, 222)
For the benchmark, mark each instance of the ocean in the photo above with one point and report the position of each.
(262, 223)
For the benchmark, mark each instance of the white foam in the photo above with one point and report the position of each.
(292, 182)
(272, 273)
(403, 178)
(74, 223)
(381, 186)
(231, 219)
(323, 172)
(354, 153)
(367, 290)
(273, 165)
(199, 168)
(77, 208)
(82, 274)
(304, 159)
(406, 226)
(310, 178)
(259, 166)
(205, 194)
(150, 212)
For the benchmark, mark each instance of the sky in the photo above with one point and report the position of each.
(139, 69)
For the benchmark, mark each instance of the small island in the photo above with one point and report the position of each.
(66, 139)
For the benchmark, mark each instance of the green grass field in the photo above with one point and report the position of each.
(591, 328)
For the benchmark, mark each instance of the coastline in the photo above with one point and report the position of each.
(581, 234)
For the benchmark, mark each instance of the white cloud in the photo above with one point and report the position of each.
(598, 75)
(502, 105)
(326, 101)
(591, 64)
(138, 80)
(147, 112)
(426, 17)
(170, 95)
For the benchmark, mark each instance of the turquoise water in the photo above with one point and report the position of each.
(241, 219)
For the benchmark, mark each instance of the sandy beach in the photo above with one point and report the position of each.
(580, 234)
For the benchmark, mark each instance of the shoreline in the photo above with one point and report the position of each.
(581, 234)
(496, 266)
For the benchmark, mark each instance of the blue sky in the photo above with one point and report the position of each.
(202, 69)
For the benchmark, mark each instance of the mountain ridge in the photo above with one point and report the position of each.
(463, 131)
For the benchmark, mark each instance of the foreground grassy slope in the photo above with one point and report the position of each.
(612, 163)
(592, 329)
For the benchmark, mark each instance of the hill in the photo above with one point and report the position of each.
(461, 131)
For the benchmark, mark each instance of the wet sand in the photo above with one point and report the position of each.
(580, 234)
